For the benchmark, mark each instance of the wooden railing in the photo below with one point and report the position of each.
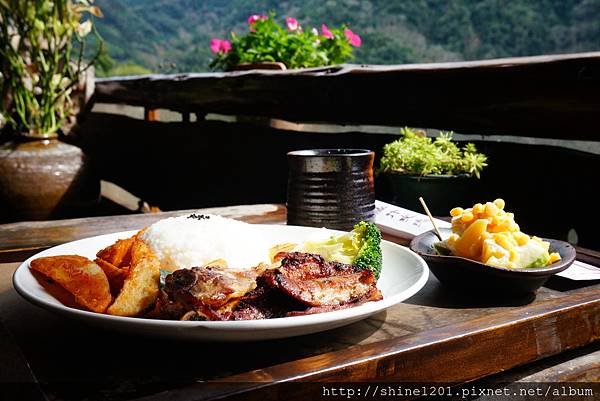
(544, 96)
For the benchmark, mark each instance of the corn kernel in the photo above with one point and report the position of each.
(499, 225)
(478, 208)
(490, 210)
(505, 241)
(554, 257)
(467, 217)
(500, 203)
(456, 211)
(521, 238)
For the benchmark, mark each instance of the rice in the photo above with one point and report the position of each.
(195, 240)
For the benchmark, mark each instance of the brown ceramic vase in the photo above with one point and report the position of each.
(45, 179)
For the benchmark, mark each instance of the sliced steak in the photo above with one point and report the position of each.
(265, 302)
(302, 284)
(212, 291)
(313, 281)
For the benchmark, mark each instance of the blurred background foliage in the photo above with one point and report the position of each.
(167, 36)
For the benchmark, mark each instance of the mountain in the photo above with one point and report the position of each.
(173, 35)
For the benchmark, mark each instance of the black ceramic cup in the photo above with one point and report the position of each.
(332, 188)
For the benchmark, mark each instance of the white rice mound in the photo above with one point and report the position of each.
(195, 240)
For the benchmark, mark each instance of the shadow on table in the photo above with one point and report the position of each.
(75, 361)
(435, 294)
(558, 283)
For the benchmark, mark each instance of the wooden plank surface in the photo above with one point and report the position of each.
(546, 96)
(582, 365)
(409, 342)
(478, 347)
(437, 335)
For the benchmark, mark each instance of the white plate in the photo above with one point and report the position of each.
(403, 274)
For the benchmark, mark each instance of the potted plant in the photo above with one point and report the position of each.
(268, 44)
(440, 171)
(44, 81)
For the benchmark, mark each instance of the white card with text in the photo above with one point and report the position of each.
(402, 222)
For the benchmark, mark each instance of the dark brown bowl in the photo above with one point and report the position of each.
(468, 274)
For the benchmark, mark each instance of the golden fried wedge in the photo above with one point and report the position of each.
(116, 276)
(140, 288)
(119, 253)
(78, 275)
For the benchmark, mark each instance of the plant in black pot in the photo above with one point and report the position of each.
(44, 82)
(438, 169)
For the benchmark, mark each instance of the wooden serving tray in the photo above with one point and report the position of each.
(437, 336)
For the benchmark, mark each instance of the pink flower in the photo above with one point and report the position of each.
(220, 45)
(353, 38)
(291, 23)
(326, 32)
(215, 45)
(314, 31)
(256, 17)
(225, 46)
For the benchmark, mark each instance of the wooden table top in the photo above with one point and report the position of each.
(436, 336)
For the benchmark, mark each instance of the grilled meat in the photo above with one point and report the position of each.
(302, 284)
(265, 302)
(212, 291)
(315, 282)
(306, 284)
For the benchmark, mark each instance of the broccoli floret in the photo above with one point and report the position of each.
(369, 255)
(360, 247)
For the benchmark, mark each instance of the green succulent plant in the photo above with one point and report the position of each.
(416, 154)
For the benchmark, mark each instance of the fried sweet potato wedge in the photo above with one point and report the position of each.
(119, 253)
(116, 276)
(141, 286)
(78, 275)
